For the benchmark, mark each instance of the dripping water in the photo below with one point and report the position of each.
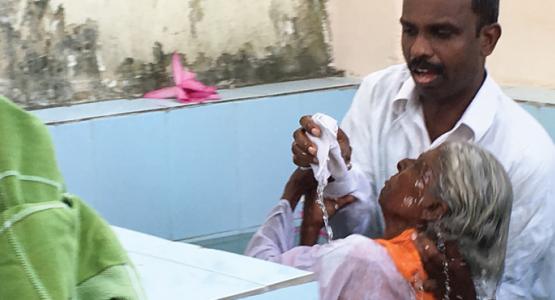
(320, 201)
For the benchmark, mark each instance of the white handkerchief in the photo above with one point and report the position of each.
(330, 161)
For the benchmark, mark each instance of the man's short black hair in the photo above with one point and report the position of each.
(487, 11)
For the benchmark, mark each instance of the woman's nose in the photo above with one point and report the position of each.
(405, 163)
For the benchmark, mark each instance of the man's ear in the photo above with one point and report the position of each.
(489, 35)
(434, 210)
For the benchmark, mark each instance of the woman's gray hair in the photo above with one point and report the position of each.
(479, 195)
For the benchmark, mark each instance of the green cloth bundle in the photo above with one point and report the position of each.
(52, 245)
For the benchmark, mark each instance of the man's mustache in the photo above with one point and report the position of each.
(422, 63)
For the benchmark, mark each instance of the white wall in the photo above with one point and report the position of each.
(366, 37)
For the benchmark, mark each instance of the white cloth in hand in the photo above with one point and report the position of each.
(330, 161)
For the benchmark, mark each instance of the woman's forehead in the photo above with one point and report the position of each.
(429, 160)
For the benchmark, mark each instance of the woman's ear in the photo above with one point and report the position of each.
(434, 210)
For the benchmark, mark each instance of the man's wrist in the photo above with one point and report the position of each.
(342, 186)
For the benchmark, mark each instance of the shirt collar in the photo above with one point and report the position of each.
(479, 114)
(406, 93)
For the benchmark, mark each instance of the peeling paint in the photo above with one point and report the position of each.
(45, 61)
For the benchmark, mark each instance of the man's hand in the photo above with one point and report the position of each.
(304, 151)
(459, 278)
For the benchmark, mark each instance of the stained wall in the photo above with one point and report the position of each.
(57, 52)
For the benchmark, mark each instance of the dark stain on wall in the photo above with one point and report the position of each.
(195, 15)
(48, 65)
(57, 64)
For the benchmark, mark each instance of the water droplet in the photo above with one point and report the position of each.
(420, 200)
(419, 184)
(427, 176)
(409, 201)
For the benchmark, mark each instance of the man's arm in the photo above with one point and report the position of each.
(357, 139)
(361, 126)
(531, 231)
(364, 215)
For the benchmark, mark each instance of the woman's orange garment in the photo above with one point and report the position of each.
(404, 254)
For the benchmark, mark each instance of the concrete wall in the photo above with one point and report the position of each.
(56, 52)
(365, 37)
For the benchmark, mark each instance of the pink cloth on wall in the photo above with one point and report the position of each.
(187, 88)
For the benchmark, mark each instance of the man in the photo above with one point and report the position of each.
(444, 93)
(53, 245)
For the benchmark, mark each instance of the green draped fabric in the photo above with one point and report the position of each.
(52, 245)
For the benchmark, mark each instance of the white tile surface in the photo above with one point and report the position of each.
(173, 270)
(164, 279)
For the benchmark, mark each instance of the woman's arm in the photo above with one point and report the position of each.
(313, 220)
(276, 235)
(274, 240)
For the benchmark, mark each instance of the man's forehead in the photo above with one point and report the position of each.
(436, 11)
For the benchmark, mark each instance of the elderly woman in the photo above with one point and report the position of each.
(457, 194)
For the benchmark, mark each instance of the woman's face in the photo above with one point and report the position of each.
(407, 199)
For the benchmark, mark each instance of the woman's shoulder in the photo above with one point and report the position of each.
(356, 248)
(361, 269)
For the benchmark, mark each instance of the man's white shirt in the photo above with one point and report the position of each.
(386, 124)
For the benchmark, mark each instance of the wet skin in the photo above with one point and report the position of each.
(414, 181)
(407, 199)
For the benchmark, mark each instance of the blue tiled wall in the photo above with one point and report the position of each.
(544, 114)
(192, 171)
(199, 170)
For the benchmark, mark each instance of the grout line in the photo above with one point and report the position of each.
(307, 276)
(218, 235)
